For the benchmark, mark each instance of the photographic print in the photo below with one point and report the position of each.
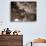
(23, 11)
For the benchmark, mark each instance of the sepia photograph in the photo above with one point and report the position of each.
(23, 11)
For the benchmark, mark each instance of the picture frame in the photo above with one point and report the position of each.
(23, 11)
